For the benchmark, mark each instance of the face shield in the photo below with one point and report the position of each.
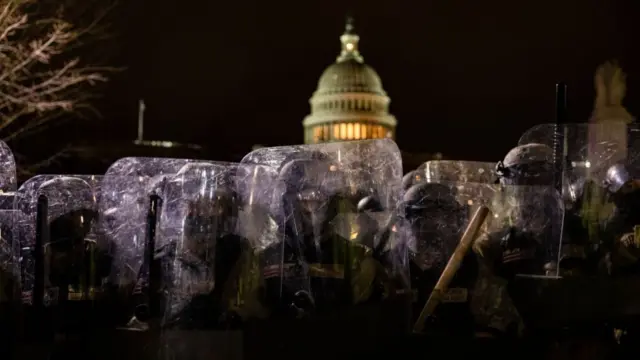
(538, 173)
(434, 218)
(308, 187)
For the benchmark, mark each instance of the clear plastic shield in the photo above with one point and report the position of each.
(337, 248)
(8, 179)
(599, 256)
(199, 243)
(131, 206)
(210, 231)
(458, 171)
(127, 185)
(595, 162)
(9, 257)
(64, 253)
(460, 282)
(9, 284)
(146, 166)
(380, 158)
(588, 149)
(254, 186)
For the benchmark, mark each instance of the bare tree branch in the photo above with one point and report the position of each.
(41, 76)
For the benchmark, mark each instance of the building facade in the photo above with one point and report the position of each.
(350, 102)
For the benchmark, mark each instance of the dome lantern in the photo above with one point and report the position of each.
(349, 42)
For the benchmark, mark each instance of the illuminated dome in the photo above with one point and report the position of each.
(349, 76)
(350, 102)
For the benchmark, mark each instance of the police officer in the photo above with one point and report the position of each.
(9, 291)
(78, 268)
(622, 229)
(436, 221)
(204, 263)
(322, 269)
(521, 239)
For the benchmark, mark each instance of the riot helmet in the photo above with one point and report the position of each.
(69, 229)
(435, 219)
(429, 198)
(369, 203)
(616, 178)
(530, 164)
(306, 197)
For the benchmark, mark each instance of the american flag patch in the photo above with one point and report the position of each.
(517, 254)
(331, 271)
(277, 270)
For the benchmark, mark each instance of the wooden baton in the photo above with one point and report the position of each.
(455, 261)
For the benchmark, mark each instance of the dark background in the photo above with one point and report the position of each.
(465, 77)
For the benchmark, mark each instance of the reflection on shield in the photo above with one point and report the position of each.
(531, 212)
(336, 253)
(74, 260)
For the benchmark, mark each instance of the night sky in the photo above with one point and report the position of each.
(465, 77)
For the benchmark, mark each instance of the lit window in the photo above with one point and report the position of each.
(350, 131)
(349, 46)
(317, 134)
(343, 131)
(356, 131)
(365, 129)
(325, 135)
(336, 131)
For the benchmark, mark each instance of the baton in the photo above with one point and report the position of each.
(455, 261)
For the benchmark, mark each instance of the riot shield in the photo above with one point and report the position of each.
(594, 162)
(197, 237)
(200, 252)
(9, 282)
(146, 166)
(383, 156)
(599, 258)
(460, 285)
(131, 206)
(127, 185)
(65, 259)
(338, 260)
(254, 186)
(587, 149)
(8, 179)
(458, 171)
(9, 257)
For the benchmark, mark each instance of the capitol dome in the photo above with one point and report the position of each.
(349, 76)
(350, 102)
